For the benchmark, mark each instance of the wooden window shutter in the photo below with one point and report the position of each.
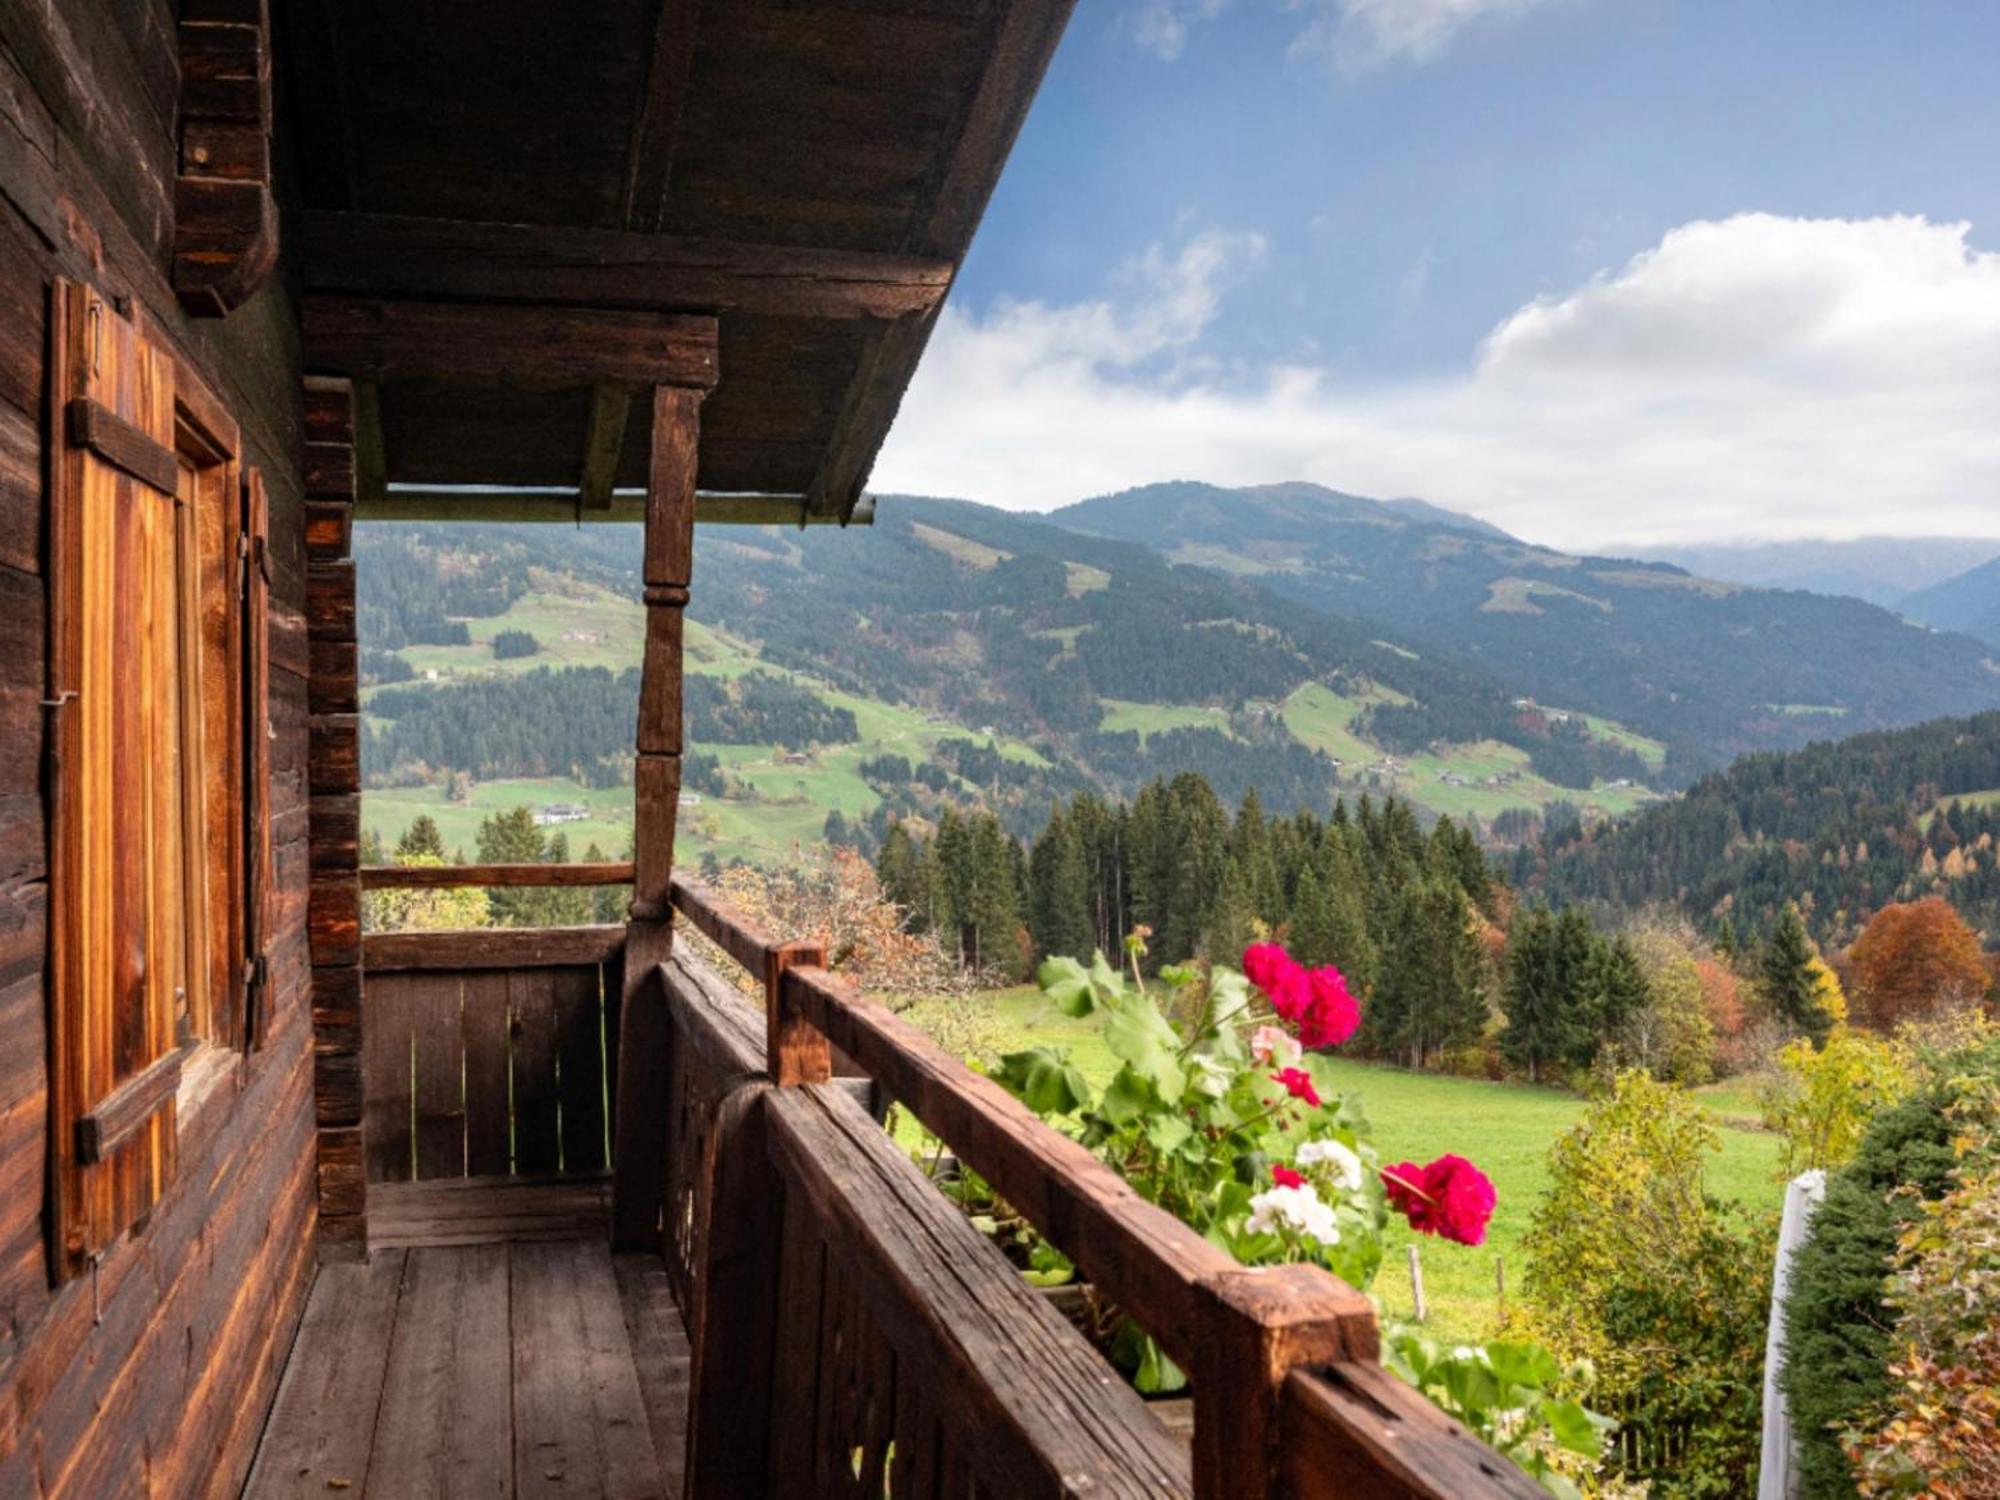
(119, 924)
(257, 736)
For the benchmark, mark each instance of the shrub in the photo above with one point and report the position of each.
(1837, 1326)
(1821, 1099)
(1632, 1266)
(1939, 1431)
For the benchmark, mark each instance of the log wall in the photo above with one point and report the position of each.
(150, 1375)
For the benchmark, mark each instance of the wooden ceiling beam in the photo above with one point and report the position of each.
(371, 457)
(603, 442)
(1024, 38)
(656, 126)
(414, 503)
(541, 347)
(460, 260)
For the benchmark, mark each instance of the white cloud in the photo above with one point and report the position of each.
(1749, 377)
(1359, 36)
(1161, 26)
(1353, 36)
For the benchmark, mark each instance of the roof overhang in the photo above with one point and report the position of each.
(517, 216)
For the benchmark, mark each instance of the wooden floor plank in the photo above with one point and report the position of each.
(580, 1424)
(322, 1424)
(661, 1355)
(445, 1428)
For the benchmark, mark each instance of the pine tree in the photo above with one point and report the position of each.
(421, 837)
(371, 847)
(1234, 924)
(607, 902)
(993, 909)
(903, 868)
(1542, 1013)
(1349, 947)
(559, 905)
(951, 883)
(1428, 998)
(1311, 933)
(510, 838)
(1059, 892)
(1620, 990)
(1786, 980)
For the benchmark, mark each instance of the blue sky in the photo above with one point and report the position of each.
(1641, 270)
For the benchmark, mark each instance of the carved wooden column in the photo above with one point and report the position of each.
(639, 1154)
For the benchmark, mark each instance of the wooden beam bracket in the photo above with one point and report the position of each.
(225, 216)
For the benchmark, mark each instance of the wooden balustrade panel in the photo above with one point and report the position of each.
(488, 1071)
(913, 1359)
(718, 1041)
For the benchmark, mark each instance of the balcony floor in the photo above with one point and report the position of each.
(490, 1346)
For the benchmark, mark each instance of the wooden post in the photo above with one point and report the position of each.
(1417, 1285)
(795, 1050)
(639, 1142)
(1257, 1326)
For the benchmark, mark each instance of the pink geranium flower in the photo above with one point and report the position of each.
(1450, 1198)
(1298, 1083)
(1286, 1177)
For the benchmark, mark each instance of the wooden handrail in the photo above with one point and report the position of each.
(1281, 1351)
(492, 948)
(447, 877)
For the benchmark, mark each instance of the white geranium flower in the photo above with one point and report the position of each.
(1347, 1173)
(1276, 1046)
(1298, 1209)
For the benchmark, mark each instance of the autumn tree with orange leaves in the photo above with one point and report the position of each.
(1915, 955)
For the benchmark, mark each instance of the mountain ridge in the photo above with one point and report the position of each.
(1715, 669)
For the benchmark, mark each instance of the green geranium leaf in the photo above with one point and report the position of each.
(1139, 1035)
(1524, 1364)
(1126, 1098)
(1168, 1132)
(1045, 1081)
(1067, 984)
(1576, 1429)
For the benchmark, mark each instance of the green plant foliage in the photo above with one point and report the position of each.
(1837, 1327)
(1196, 1118)
(1632, 1266)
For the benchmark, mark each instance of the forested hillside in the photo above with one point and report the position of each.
(1713, 669)
(951, 655)
(1842, 828)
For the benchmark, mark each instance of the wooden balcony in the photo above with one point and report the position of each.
(517, 1328)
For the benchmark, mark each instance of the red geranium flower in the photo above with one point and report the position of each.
(1286, 1177)
(1451, 1198)
(1281, 977)
(1298, 1083)
(1330, 1015)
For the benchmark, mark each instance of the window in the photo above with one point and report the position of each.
(153, 924)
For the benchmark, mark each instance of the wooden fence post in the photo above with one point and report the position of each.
(1417, 1284)
(1257, 1326)
(795, 1050)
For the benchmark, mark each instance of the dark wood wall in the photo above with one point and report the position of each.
(150, 1376)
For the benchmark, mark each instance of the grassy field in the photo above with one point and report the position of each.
(1506, 1128)
(387, 811)
(1148, 719)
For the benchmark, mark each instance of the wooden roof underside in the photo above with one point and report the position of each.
(809, 174)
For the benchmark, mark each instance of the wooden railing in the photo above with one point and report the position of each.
(489, 1052)
(850, 1326)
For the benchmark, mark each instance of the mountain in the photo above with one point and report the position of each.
(948, 652)
(1710, 668)
(1880, 569)
(1842, 828)
(1969, 602)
